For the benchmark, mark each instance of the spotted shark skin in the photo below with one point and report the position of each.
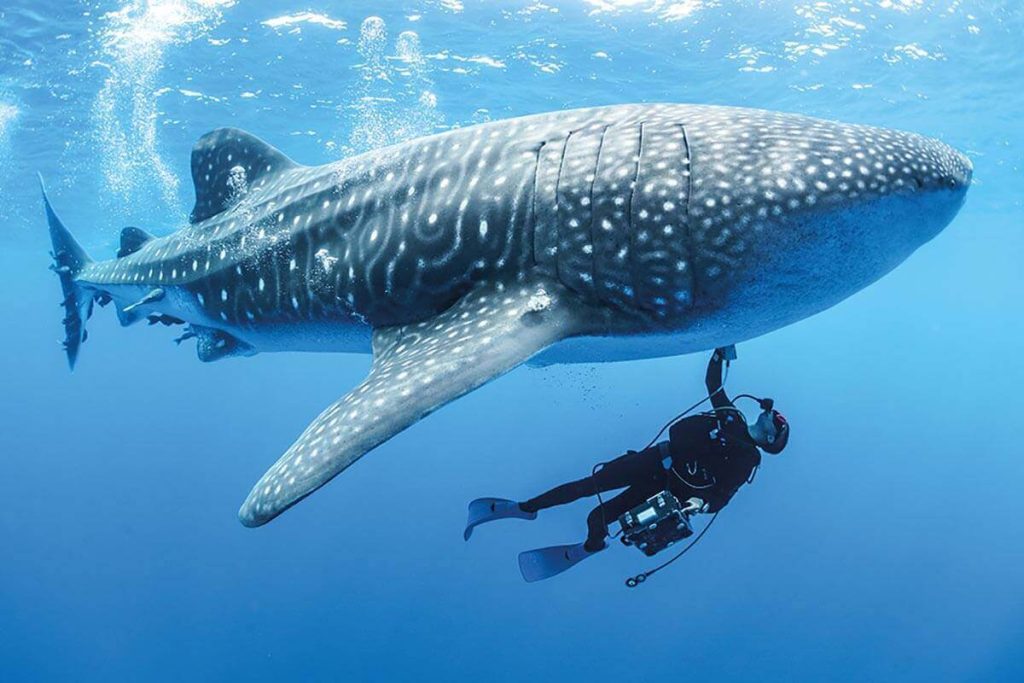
(599, 234)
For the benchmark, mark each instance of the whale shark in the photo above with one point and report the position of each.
(590, 235)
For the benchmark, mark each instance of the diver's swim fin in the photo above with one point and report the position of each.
(543, 563)
(489, 509)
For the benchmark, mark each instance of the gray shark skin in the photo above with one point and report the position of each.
(598, 234)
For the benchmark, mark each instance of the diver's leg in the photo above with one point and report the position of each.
(619, 473)
(560, 495)
(612, 509)
(627, 470)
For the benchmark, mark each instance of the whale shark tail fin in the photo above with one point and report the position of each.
(68, 260)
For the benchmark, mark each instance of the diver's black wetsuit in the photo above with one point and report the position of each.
(707, 456)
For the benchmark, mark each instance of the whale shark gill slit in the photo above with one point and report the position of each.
(416, 369)
(560, 208)
(630, 227)
(592, 232)
(532, 216)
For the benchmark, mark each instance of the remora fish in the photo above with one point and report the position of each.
(598, 234)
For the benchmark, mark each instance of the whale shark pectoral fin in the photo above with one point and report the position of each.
(226, 164)
(416, 369)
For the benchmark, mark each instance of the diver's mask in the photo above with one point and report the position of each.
(771, 430)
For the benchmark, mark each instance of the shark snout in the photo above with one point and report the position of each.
(937, 166)
(959, 171)
(931, 186)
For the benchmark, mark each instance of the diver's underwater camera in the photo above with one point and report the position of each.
(656, 524)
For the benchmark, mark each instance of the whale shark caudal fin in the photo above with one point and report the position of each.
(68, 259)
(416, 369)
(226, 164)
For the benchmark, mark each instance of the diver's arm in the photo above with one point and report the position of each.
(713, 380)
(730, 474)
(719, 495)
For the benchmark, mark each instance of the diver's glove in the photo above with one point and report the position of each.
(695, 506)
(725, 353)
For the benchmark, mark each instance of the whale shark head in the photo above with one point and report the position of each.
(790, 215)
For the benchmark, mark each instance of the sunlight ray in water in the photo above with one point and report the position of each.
(126, 110)
(667, 10)
(292, 21)
(9, 114)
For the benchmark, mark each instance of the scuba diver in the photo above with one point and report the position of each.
(706, 459)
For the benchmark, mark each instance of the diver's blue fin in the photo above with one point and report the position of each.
(489, 509)
(543, 563)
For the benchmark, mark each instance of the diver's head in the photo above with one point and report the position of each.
(771, 430)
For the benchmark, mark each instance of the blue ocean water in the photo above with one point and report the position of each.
(886, 544)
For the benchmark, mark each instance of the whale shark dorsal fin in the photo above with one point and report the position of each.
(132, 239)
(226, 164)
(416, 369)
